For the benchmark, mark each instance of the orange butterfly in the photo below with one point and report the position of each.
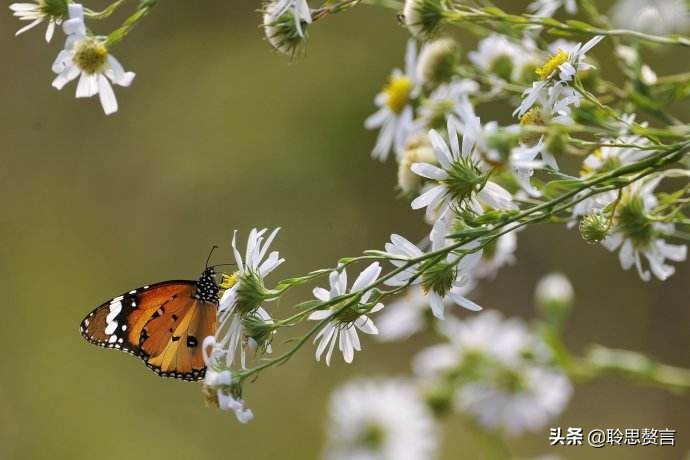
(163, 324)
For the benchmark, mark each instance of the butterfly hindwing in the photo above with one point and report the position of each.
(163, 324)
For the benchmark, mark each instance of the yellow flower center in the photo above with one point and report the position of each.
(552, 64)
(90, 56)
(532, 117)
(398, 91)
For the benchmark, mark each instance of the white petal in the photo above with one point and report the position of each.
(366, 325)
(429, 197)
(106, 95)
(463, 301)
(429, 171)
(367, 277)
(441, 149)
(29, 26)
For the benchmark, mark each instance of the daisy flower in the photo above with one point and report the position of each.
(446, 100)
(437, 61)
(342, 328)
(636, 235)
(499, 373)
(517, 401)
(88, 58)
(220, 387)
(395, 115)
(609, 157)
(38, 12)
(498, 56)
(496, 255)
(242, 323)
(448, 281)
(458, 181)
(520, 160)
(380, 420)
(556, 73)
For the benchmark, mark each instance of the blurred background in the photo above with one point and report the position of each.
(218, 132)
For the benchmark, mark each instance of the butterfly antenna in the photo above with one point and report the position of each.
(224, 265)
(208, 259)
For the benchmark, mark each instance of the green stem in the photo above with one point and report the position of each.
(118, 35)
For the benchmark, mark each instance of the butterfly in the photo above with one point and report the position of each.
(163, 324)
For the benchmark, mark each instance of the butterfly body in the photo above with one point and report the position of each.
(163, 324)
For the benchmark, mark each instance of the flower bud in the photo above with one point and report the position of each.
(417, 150)
(594, 228)
(437, 61)
(423, 17)
(282, 31)
(554, 297)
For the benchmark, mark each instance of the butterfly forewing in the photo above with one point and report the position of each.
(163, 324)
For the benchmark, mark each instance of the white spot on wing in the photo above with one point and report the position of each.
(110, 323)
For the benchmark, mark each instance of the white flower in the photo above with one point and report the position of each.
(342, 328)
(555, 102)
(554, 288)
(522, 159)
(458, 180)
(528, 403)
(609, 157)
(437, 61)
(228, 402)
(450, 283)
(88, 58)
(636, 236)
(547, 8)
(486, 334)
(423, 17)
(446, 100)
(380, 420)
(497, 255)
(408, 314)
(557, 72)
(299, 9)
(38, 12)
(499, 56)
(500, 373)
(241, 319)
(395, 115)
(417, 150)
(658, 17)
(219, 383)
(405, 316)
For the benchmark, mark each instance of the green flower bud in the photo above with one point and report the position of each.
(594, 228)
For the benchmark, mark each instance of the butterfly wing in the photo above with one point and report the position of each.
(162, 324)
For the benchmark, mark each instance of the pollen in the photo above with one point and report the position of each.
(552, 64)
(90, 56)
(532, 118)
(398, 92)
(228, 281)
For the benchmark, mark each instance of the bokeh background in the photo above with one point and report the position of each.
(217, 133)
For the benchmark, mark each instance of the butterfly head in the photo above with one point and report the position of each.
(206, 287)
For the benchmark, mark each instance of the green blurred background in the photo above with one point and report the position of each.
(217, 133)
